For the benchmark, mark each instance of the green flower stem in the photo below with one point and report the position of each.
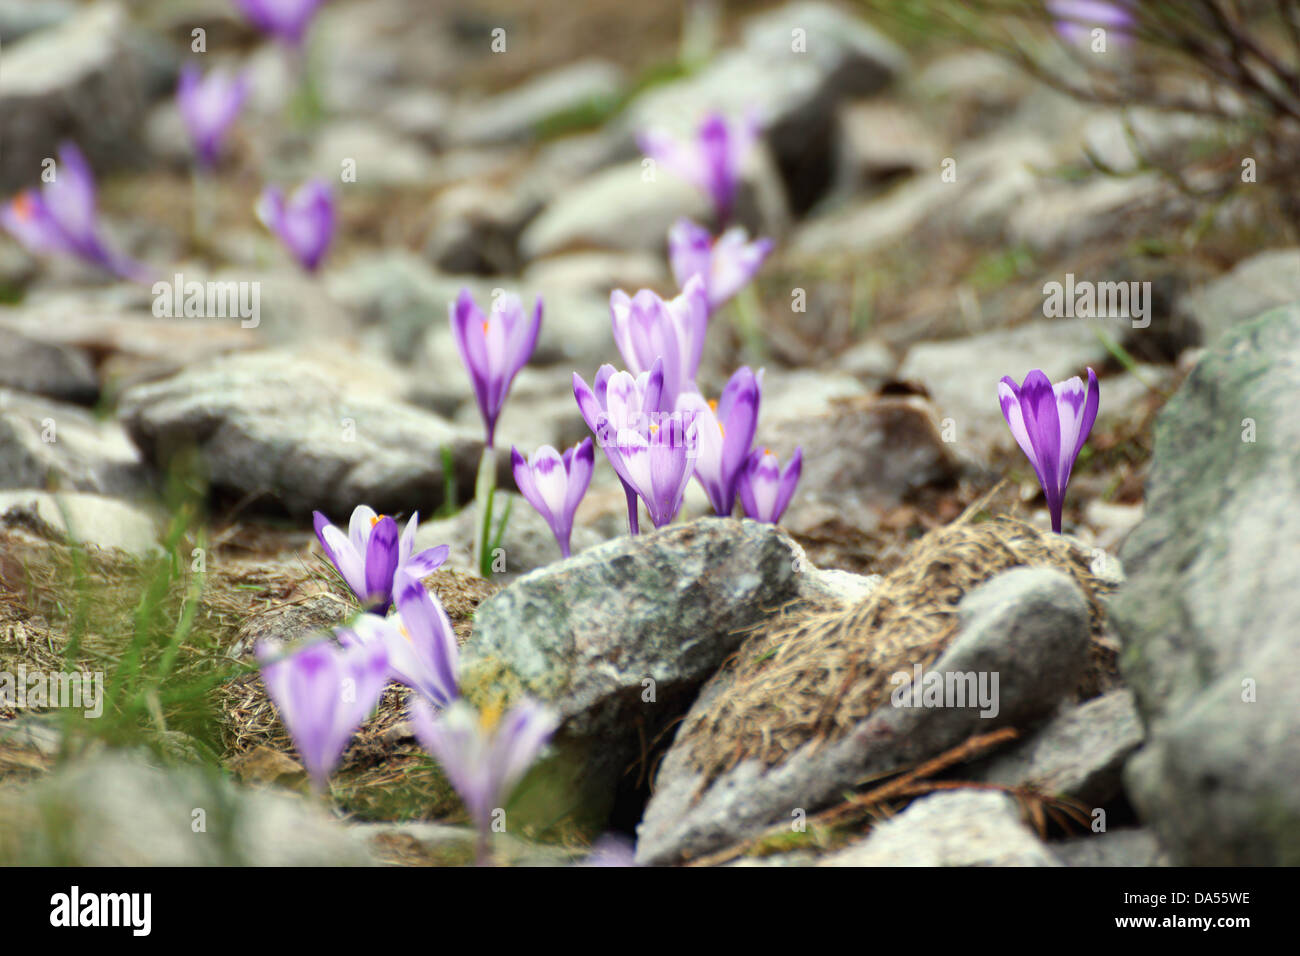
(484, 492)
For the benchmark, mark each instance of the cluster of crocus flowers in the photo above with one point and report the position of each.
(554, 484)
(1050, 423)
(764, 488)
(485, 754)
(62, 219)
(286, 20)
(494, 347)
(324, 692)
(725, 265)
(372, 555)
(303, 222)
(711, 160)
(208, 107)
(649, 444)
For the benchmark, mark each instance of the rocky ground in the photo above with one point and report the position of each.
(157, 475)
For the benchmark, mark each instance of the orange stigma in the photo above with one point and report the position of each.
(23, 205)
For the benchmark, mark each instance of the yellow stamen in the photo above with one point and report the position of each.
(490, 716)
(375, 520)
(23, 206)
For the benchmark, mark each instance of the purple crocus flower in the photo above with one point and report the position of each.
(764, 489)
(286, 20)
(555, 484)
(208, 106)
(304, 222)
(494, 348)
(1050, 423)
(484, 755)
(419, 640)
(647, 328)
(725, 434)
(371, 554)
(1076, 19)
(711, 161)
(726, 265)
(324, 692)
(651, 446)
(61, 218)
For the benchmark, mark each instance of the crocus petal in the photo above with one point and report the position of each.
(427, 561)
(429, 632)
(351, 565)
(1009, 397)
(381, 562)
(789, 480)
(1043, 423)
(359, 525)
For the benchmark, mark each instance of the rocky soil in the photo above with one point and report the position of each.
(724, 686)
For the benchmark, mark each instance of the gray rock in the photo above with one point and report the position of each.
(49, 444)
(1069, 215)
(978, 88)
(598, 273)
(20, 17)
(292, 623)
(613, 209)
(1130, 846)
(1264, 281)
(861, 458)
(419, 113)
(121, 329)
(870, 362)
(519, 114)
(476, 229)
(962, 375)
(1027, 625)
(45, 368)
(1207, 619)
(383, 158)
(528, 543)
(637, 618)
(966, 828)
(881, 140)
(1079, 753)
(842, 587)
(440, 844)
(115, 809)
(297, 438)
(76, 80)
(1127, 140)
(85, 518)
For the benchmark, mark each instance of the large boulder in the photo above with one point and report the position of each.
(292, 436)
(619, 638)
(1208, 617)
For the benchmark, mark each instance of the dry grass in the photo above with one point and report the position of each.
(812, 673)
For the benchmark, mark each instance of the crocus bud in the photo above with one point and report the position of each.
(764, 489)
(304, 222)
(554, 484)
(1050, 423)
